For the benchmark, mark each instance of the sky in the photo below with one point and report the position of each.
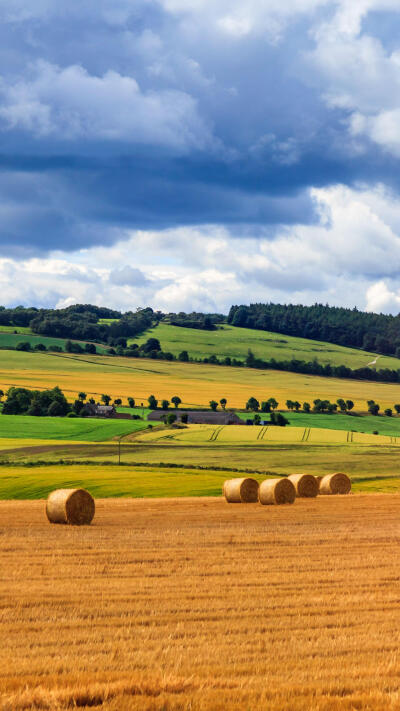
(194, 154)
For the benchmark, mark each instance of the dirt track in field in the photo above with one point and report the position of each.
(192, 604)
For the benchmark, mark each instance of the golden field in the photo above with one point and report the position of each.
(195, 605)
(196, 384)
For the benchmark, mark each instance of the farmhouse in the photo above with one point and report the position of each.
(107, 411)
(196, 417)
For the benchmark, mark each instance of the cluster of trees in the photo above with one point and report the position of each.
(201, 321)
(346, 327)
(21, 401)
(81, 322)
(153, 402)
(70, 347)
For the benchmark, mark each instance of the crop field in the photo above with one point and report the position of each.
(234, 342)
(30, 467)
(195, 605)
(260, 435)
(82, 428)
(196, 384)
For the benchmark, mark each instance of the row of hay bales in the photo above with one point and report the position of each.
(285, 490)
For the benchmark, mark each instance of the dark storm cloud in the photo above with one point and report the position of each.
(149, 115)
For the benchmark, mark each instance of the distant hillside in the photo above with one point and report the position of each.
(233, 342)
(346, 327)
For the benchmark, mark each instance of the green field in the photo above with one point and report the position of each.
(65, 428)
(234, 342)
(15, 329)
(10, 340)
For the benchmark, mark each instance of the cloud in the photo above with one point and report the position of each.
(70, 103)
(350, 257)
(128, 276)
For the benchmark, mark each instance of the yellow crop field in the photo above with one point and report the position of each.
(261, 435)
(199, 605)
(196, 384)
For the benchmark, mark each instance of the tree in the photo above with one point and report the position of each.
(1, 394)
(118, 401)
(213, 405)
(257, 419)
(250, 359)
(164, 404)
(252, 404)
(23, 346)
(82, 396)
(131, 402)
(223, 402)
(183, 356)
(277, 419)
(171, 418)
(289, 404)
(274, 403)
(152, 344)
(77, 407)
(90, 348)
(184, 417)
(350, 404)
(176, 400)
(265, 406)
(306, 407)
(396, 407)
(342, 404)
(388, 412)
(55, 409)
(296, 405)
(152, 402)
(373, 407)
(106, 399)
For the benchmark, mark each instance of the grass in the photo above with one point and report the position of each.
(234, 342)
(11, 340)
(15, 329)
(65, 428)
(188, 604)
(196, 384)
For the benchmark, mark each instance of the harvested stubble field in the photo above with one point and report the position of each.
(195, 605)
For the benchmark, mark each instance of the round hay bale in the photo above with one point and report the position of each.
(277, 491)
(73, 506)
(241, 491)
(306, 485)
(335, 484)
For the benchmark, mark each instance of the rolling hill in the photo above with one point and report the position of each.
(235, 342)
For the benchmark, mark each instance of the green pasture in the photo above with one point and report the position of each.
(65, 428)
(357, 423)
(36, 482)
(11, 340)
(234, 342)
(15, 329)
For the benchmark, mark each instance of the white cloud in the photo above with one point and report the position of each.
(351, 256)
(381, 299)
(357, 73)
(70, 103)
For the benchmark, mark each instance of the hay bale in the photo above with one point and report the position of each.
(306, 485)
(73, 506)
(335, 484)
(277, 491)
(241, 491)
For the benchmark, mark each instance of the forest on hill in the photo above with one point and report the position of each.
(378, 333)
